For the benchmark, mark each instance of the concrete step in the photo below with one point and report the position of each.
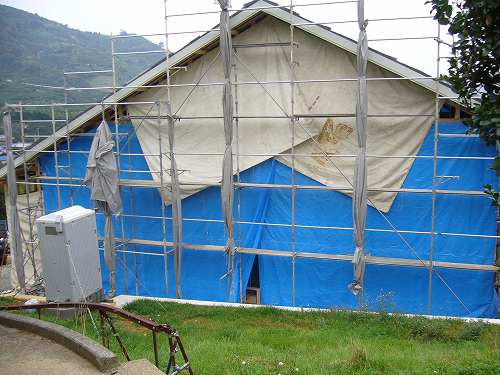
(139, 367)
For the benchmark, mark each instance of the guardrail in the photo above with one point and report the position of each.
(174, 341)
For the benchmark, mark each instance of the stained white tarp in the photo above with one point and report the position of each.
(316, 59)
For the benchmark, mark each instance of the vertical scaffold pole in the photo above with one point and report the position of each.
(132, 218)
(16, 246)
(238, 179)
(117, 147)
(292, 140)
(163, 197)
(434, 176)
(175, 196)
(56, 157)
(30, 244)
(359, 201)
(227, 193)
(68, 139)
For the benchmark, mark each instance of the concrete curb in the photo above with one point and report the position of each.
(99, 356)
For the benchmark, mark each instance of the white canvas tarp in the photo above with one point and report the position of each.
(315, 59)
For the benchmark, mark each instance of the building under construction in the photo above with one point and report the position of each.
(272, 160)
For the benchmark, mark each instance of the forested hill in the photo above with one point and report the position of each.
(36, 50)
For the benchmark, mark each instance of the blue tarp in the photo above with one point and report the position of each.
(319, 283)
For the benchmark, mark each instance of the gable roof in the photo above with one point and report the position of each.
(251, 10)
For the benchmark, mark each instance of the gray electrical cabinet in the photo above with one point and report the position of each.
(70, 255)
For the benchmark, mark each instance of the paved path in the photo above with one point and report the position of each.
(23, 353)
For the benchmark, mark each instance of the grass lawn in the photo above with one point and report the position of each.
(268, 341)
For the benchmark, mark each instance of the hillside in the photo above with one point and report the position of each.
(36, 50)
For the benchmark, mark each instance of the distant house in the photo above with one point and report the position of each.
(304, 259)
(20, 145)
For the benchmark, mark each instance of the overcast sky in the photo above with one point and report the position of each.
(146, 17)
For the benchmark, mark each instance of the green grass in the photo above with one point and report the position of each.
(269, 341)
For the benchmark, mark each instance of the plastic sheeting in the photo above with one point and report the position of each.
(102, 179)
(319, 283)
(360, 188)
(201, 270)
(227, 189)
(322, 283)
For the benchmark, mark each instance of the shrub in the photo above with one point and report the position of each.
(429, 330)
(472, 331)
(358, 357)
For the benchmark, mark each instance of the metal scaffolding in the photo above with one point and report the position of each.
(110, 109)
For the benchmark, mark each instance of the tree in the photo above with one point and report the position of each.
(474, 66)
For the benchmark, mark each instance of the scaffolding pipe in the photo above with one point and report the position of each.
(434, 185)
(265, 154)
(251, 9)
(321, 227)
(238, 180)
(347, 189)
(292, 141)
(162, 192)
(369, 20)
(246, 83)
(174, 177)
(112, 272)
(68, 141)
(360, 188)
(88, 72)
(228, 86)
(30, 248)
(294, 24)
(227, 189)
(137, 53)
(16, 245)
(326, 256)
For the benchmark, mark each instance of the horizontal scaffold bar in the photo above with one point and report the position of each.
(244, 83)
(251, 9)
(137, 52)
(158, 184)
(295, 24)
(369, 20)
(296, 116)
(297, 155)
(311, 255)
(298, 225)
(89, 72)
